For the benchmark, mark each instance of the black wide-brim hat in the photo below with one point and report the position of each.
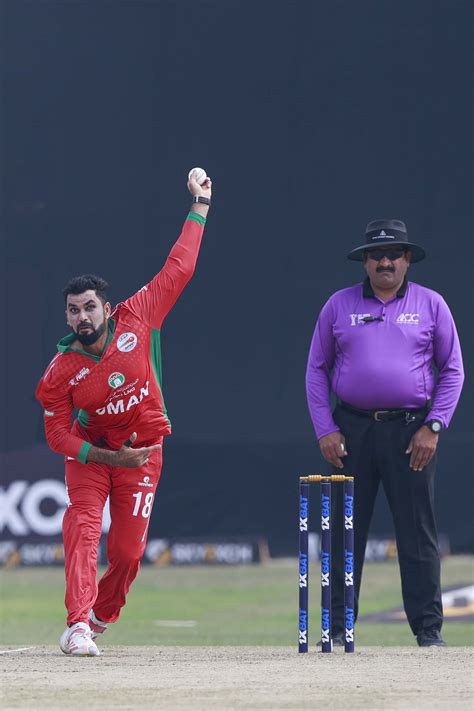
(380, 233)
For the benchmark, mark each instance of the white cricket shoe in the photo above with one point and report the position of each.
(97, 626)
(77, 640)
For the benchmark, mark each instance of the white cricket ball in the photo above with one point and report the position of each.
(200, 176)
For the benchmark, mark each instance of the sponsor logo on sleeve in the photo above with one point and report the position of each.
(126, 342)
(79, 376)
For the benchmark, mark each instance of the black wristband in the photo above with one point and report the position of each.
(201, 199)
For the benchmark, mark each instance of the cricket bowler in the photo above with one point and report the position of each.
(108, 370)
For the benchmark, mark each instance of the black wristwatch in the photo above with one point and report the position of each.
(201, 199)
(434, 425)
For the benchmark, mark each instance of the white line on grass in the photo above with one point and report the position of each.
(12, 651)
(175, 623)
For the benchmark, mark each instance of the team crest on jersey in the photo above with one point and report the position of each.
(116, 379)
(126, 342)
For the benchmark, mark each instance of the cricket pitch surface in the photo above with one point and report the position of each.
(202, 678)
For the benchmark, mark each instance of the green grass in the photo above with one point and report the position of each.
(248, 605)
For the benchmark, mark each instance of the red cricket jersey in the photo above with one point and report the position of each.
(119, 392)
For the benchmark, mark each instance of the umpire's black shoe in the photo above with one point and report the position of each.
(430, 638)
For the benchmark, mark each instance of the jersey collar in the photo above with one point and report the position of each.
(64, 345)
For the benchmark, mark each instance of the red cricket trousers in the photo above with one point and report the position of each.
(132, 493)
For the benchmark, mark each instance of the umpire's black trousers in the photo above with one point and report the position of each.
(376, 453)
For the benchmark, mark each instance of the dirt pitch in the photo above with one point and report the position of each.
(201, 678)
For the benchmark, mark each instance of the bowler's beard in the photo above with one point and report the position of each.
(88, 339)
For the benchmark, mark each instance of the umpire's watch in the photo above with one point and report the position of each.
(434, 425)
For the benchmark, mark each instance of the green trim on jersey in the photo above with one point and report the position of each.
(155, 355)
(83, 418)
(64, 345)
(197, 218)
(83, 452)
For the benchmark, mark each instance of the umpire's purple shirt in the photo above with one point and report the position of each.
(384, 364)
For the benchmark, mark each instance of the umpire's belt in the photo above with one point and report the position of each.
(386, 415)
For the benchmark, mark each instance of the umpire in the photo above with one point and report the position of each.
(377, 347)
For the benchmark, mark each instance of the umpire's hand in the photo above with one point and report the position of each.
(333, 447)
(422, 448)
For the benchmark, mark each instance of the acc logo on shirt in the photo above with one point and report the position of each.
(116, 379)
(408, 318)
(127, 342)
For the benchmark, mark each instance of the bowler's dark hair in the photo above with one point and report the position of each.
(82, 283)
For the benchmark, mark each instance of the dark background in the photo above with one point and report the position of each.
(312, 119)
